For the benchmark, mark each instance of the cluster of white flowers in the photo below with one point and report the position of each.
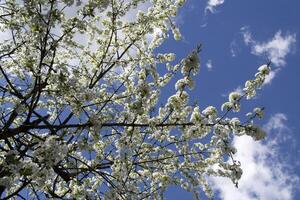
(51, 151)
(84, 190)
(210, 112)
(166, 57)
(86, 124)
(233, 171)
(196, 116)
(233, 103)
(14, 168)
(259, 112)
(226, 106)
(250, 91)
(252, 85)
(179, 100)
(255, 132)
(176, 33)
(234, 97)
(190, 64)
(235, 122)
(186, 81)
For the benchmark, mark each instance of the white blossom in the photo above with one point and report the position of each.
(191, 64)
(259, 112)
(85, 111)
(264, 69)
(256, 132)
(234, 96)
(226, 106)
(210, 112)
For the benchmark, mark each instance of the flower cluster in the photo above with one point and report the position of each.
(255, 132)
(51, 151)
(249, 91)
(191, 64)
(252, 85)
(84, 112)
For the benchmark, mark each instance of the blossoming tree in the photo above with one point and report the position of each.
(81, 116)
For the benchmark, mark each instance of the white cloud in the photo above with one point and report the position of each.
(277, 123)
(234, 49)
(203, 25)
(247, 35)
(209, 65)
(265, 176)
(275, 49)
(211, 4)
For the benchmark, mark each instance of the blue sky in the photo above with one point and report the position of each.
(237, 37)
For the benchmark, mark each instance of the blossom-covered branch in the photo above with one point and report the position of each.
(81, 115)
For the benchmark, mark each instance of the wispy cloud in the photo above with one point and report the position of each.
(265, 176)
(209, 65)
(212, 4)
(234, 48)
(247, 35)
(276, 123)
(275, 49)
